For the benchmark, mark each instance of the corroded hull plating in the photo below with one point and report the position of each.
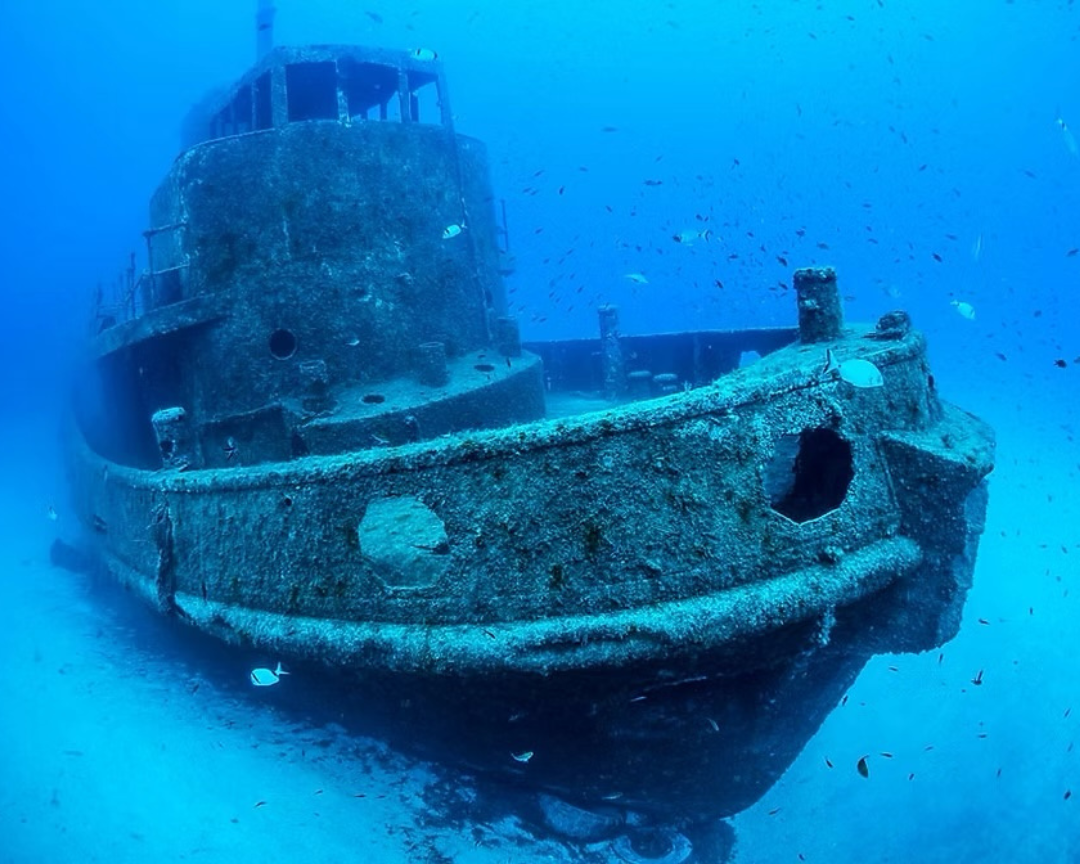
(560, 573)
(595, 541)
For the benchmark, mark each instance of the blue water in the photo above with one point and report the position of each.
(877, 136)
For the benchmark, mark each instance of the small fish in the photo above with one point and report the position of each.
(229, 448)
(1067, 138)
(266, 677)
(978, 679)
(976, 248)
(52, 514)
(857, 373)
(425, 54)
(522, 757)
(451, 231)
(965, 309)
(637, 278)
(689, 237)
(861, 767)
(352, 343)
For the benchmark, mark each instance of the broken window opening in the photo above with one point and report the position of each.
(809, 474)
(234, 118)
(264, 105)
(367, 86)
(424, 99)
(241, 111)
(311, 91)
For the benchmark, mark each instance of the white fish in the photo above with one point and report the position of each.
(976, 248)
(52, 514)
(423, 54)
(966, 310)
(352, 343)
(267, 677)
(1068, 138)
(857, 373)
(522, 757)
(689, 237)
(452, 231)
(637, 278)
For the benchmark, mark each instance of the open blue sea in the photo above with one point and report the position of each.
(678, 158)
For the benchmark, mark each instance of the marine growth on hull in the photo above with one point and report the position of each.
(310, 425)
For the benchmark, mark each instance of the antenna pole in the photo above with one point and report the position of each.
(264, 28)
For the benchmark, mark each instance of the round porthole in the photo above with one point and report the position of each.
(282, 344)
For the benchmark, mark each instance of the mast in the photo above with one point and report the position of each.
(264, 28)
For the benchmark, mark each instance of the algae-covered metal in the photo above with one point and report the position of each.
(320, 435)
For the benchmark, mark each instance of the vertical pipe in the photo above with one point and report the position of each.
(150, 268)
(820, 316)
(264, 28)
(611, 356)
(404, 106)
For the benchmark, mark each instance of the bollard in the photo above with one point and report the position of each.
(315, 381)
(611, 358)
(431, 369)
(820, 316)
(173, 437)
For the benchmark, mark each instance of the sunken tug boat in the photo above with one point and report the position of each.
(316, 433)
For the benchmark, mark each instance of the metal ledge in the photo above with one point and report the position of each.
(569, 643)
(168, 319)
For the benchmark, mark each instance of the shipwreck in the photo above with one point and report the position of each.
(311, 427)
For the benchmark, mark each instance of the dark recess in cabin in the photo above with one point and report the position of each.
(312, 91)
(264, 113)
(366, 86)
